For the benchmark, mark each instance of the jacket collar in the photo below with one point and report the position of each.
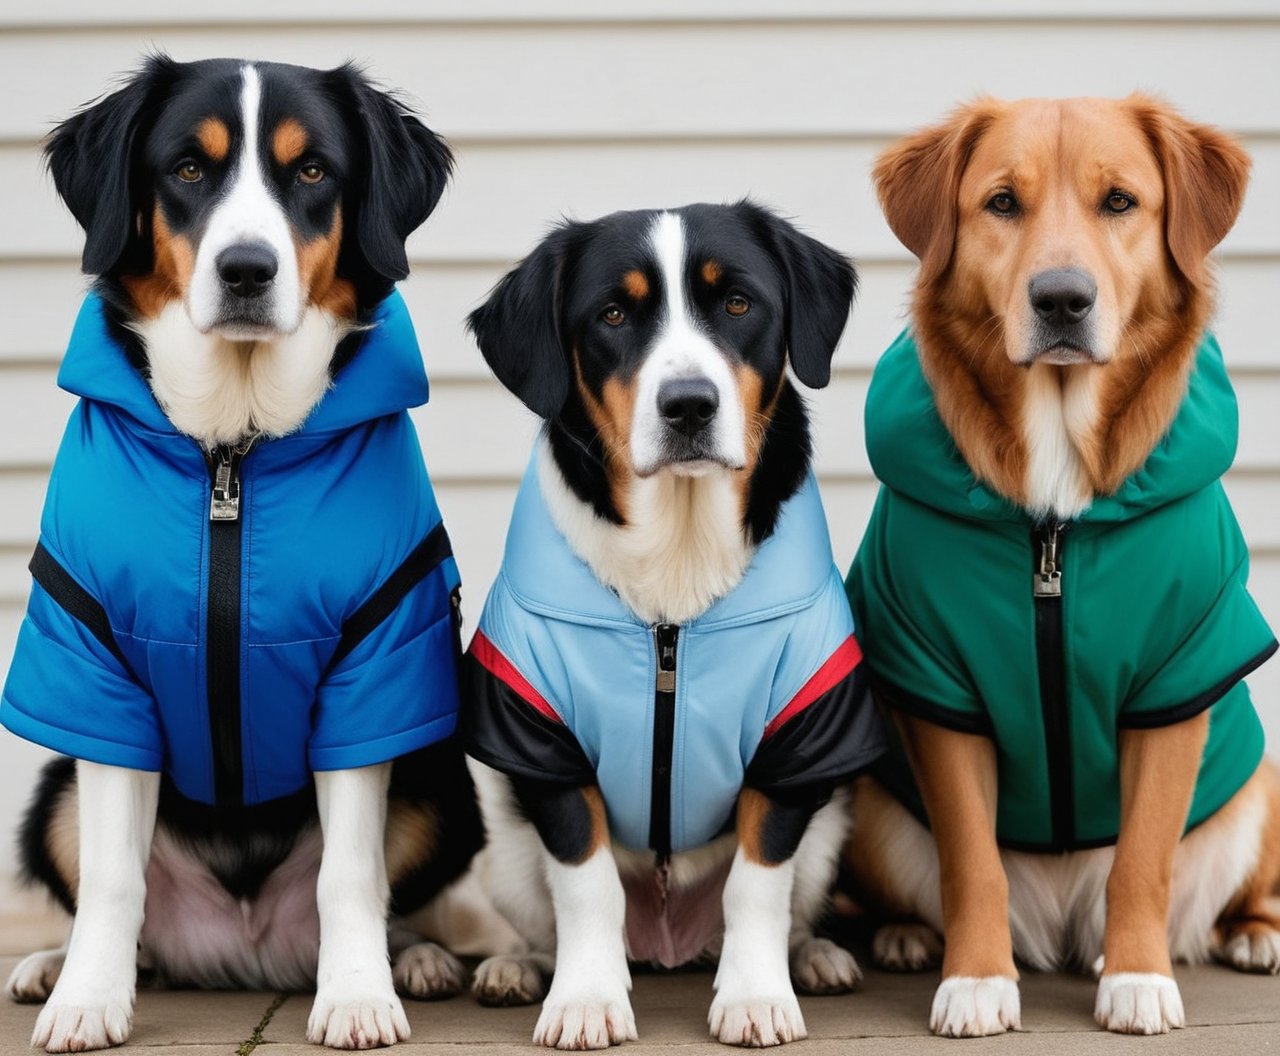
(788, 571)
(385, 375)
(912, 452)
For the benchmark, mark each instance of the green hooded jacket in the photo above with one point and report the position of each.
(1141, 617)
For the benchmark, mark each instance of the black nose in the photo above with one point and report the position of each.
(688, 404)
(247, 268)
(1062, 295)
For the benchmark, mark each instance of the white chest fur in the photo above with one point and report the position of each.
(1059, 416)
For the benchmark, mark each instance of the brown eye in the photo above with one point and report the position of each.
(189, 172)
(737, 306)
(613, 315)
(1003, 204)
(311, 173)
(1119, 202)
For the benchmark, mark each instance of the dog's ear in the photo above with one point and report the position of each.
(518, 328)
(918, 183)
(1205, 175)
(820, 286)
(91, 157)
(407, 168)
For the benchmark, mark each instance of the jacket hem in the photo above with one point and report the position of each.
(78, 745)
(384, 749)
(902, 700)
(1188, 709)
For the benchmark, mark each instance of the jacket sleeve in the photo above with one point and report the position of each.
(70, 687)
(509, 725)
(1224, 645)
(826, 730)
(392, 684)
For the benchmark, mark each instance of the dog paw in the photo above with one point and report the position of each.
(357, 1023)
(819, 966)
(32, 980)
(585, 1023)
(1257, 951)
(756, 1023)
(508, 979)
(428, 972)
(66, 1027)
(906, 948)
(965, 1007)
(1139, 1003)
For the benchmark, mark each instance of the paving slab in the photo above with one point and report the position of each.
(1228, 1013)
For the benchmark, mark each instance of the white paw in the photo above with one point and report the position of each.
(906, 947)
(965, 1007)
(349, 1022)
(427, 971)
(66, 1027)
(819, 966)
(1139, 1003)
(508, 979)
(32, 980)
(588, 1021)
(1257, 952)
(756, 1023)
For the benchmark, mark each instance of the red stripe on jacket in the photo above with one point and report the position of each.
(837, 667)
(506, 672)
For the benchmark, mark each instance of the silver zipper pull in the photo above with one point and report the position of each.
(664, 637)
(1047, 582)
(224, 503)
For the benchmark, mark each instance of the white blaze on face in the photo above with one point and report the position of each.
(247, 212)
(682, 350)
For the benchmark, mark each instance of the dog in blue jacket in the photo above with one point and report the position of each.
(244, 604)
(665, 687)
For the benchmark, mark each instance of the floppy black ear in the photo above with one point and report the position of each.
(518, 327)
(821, 285)
(408, 167)
(91, 158)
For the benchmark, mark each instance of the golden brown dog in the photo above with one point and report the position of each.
(1034, 220)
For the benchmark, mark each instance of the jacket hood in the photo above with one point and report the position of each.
(912, 452)
(385, 376)
(789, 569)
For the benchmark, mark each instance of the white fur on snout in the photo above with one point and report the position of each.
(682, 350)
(247, 212)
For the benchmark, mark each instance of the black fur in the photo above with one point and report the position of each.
(542, 323)
(36, 865)
(560, 814)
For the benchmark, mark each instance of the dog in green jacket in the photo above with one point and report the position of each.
(1051, 594)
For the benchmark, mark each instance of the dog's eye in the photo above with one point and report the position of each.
(1003, 204)
(737, 305)
(1119, 202)
(311, 173)
(189, 172)
(613, 315)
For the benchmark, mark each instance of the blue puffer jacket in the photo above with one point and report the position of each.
(239, 619)
(762, 689)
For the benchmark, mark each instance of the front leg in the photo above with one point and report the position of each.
(588, 1006)
(91, 1006)
(956, 773)
(755, 1003)
(356, 1006)
(1158, 769)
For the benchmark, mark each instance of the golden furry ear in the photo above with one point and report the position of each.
(918, 180)
(1205, 175)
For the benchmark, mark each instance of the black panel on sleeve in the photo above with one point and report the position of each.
(831, 740)
(505, 732)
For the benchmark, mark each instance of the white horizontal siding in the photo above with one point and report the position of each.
(576, 107)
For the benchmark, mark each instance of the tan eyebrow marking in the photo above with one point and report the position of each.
(289, 141)
(214, 138)
(636, 285)
(711, 272)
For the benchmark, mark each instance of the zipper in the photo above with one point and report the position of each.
(1046, 587)
(222, 657)
(665, 639)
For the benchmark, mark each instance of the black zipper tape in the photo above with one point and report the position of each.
(665, 638)
(1051, 663)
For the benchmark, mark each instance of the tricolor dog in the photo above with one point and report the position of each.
(665, 686)
(1052, 590)
(244, 604)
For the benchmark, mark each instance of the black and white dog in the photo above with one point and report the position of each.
(666, 645)
(244, 219)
